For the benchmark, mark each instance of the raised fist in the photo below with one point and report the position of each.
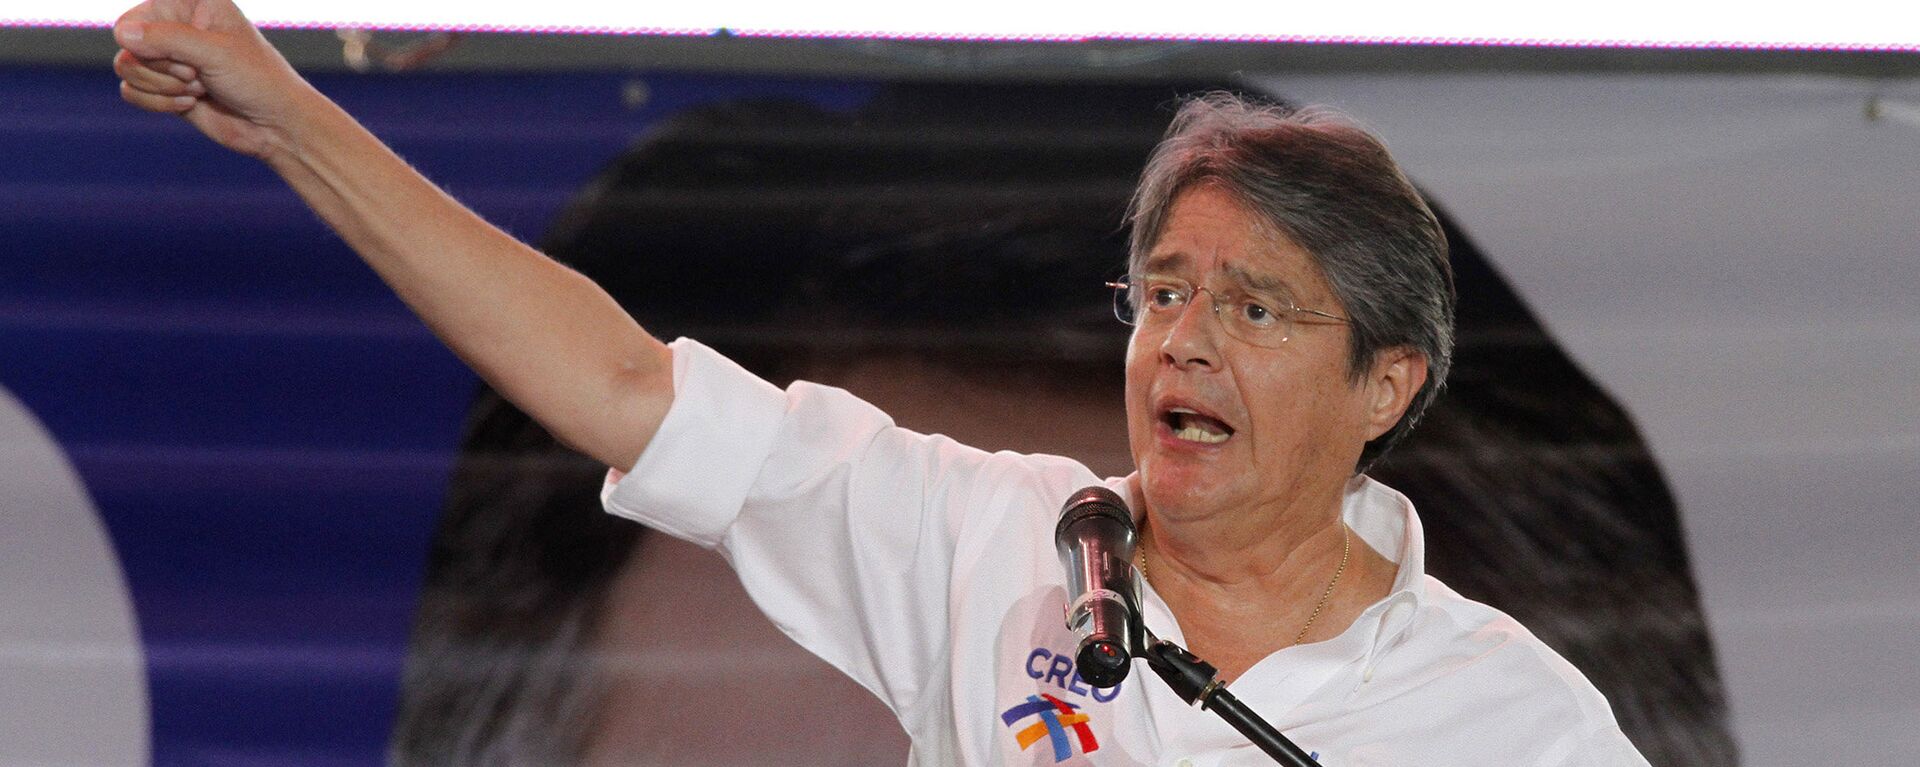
(203, 60)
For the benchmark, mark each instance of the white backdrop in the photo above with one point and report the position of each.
(73, 681)
(1734, 258)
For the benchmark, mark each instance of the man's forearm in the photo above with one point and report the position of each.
(547, 338)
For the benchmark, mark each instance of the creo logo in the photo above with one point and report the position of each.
(1056, 716)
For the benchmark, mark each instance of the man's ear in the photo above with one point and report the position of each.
(1397, 375)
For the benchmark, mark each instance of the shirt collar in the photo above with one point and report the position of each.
(1386, 521)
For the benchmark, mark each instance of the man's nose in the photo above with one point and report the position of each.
(1194, 338)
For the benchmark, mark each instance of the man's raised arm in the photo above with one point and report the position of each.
(545, 337)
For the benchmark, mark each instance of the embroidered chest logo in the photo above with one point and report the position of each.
(1056, 716)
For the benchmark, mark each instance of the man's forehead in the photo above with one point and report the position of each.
(1182, 264)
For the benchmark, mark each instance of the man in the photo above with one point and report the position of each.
(1293, 316)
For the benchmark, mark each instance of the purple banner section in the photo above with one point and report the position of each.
(265, 431)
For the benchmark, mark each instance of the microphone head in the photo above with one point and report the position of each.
(1095, 539)
(1092, 502)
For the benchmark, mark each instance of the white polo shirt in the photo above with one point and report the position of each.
(925, 570)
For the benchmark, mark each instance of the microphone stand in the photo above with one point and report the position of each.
(1198, 683)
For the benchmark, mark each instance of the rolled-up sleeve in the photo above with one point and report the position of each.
(840, 524)
(692, 479)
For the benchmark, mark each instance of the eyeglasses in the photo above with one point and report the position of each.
(1157, 302)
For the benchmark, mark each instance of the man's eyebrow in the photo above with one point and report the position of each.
(1178, 261)
(1265, 283)
(1165, 262)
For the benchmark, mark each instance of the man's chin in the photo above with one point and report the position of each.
(1178, 489)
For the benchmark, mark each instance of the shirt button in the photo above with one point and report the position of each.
(1184, 762)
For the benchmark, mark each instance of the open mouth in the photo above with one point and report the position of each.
(1191, 426)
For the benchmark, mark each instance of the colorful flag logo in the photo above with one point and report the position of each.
(1056, 716)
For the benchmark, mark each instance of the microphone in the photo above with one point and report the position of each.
(1095, 539)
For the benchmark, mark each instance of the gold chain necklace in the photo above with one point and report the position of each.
(1346, 548)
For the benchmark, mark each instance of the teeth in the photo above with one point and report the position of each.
(1197, 434)
(1191, 430)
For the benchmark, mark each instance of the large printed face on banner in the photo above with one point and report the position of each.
(980, 315)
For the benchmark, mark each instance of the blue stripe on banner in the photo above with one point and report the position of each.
(266, 430)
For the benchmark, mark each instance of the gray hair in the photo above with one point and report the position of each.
(1330, 186)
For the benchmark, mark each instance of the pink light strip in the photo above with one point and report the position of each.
(1463, 42)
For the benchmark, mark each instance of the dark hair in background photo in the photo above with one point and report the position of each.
(1539, 496)
(969, 226)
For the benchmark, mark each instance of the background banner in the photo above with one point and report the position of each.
(251, 512)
